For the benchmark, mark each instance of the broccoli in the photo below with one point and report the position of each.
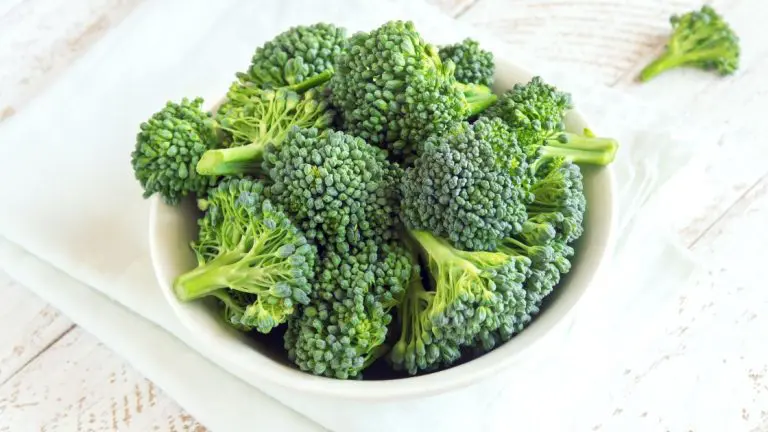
(392, 90)
(345, 328)
(168, 147)
(462, 187)
(336, 187)
(536, 111)
(245, 244)
(296, 56)
(474, 65)
(472, 294)
(252, 118)
(700, 39)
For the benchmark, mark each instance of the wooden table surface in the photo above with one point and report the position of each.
(707, 367)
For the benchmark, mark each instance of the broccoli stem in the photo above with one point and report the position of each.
(584, 149)
(478, 97)
(670, 60)
(231, 161)
(206, 279)
(313, 81)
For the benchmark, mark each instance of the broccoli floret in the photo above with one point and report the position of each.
(168, 147)
(252, 118)
(536, 111)
(470, 295)
(336, 187)
(296, 56)
(700, 39)
(474, 65)
(245, 244)
(345, 328)
(392, 89)
(461, 186)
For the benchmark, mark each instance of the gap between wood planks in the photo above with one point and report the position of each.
(38, 354)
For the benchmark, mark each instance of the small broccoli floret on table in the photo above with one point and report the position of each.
(251, 118)
(466, 297)
(295, 56)
(392, 89)
(168, 147)
(465, 186)
(474, 65)
(336, 187)
(700, 39)
(246, 245)
(536, 112)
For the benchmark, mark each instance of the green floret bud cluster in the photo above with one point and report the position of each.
(460, 189)
(295, 56)
(167, 149)
(337, 188)
(253, 118)
(393, 90)
(474, 65)
(245, 244)
(345, 329)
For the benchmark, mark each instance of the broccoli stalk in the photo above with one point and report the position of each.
(478, 97)
(471, 295)
(255, 118)
(246, 245)
(586, 149)
(700, 39)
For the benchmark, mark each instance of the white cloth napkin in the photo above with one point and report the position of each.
(75, 226)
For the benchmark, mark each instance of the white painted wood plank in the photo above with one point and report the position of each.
(599, 39)
(29, 326)
(452, 7)
(40, 38)
(79, 385)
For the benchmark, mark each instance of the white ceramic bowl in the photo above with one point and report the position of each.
(172, 229)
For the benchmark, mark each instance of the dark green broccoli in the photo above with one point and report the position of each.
(536, 112)
(253, 118)
(474, 65)
(245, 244)
(296, 56)
(468, 297)
(168, 147)
(392, 89)
(345, 328)
(336, 187)
(700, 39)
(461, 186)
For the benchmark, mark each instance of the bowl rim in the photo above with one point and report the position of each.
(266, 370)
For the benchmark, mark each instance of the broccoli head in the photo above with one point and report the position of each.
(474, 65)
(461, 187)
(470, 295)
(336, 187)
(392, 89)
(345, 328)
(296, 56)
(700, 39)
(536, 112)
(252, 117)
(168, 147)
(247, 245)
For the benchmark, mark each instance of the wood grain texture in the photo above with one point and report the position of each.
(40, 38)
(452, 7)
(29, 327)
(599, 39)
(79, 385)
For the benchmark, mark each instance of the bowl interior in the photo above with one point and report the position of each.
(262, 360)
